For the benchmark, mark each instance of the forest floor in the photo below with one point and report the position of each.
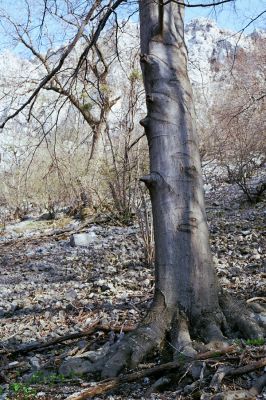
(50, 289)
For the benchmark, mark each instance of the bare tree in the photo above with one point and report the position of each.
(237, 126)
(187, 297)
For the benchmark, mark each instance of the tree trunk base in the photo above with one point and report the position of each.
(162, 322)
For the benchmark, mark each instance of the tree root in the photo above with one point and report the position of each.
(238, 316)
(150, 335)
(108, 384)
(180, 337)
(138, 344)
(132, 349)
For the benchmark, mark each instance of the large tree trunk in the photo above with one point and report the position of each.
(183, 266)
(187, 298)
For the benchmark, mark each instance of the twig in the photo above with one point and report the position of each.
(39, 346)
(58, 67)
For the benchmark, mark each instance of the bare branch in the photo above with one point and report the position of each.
(217, 3)
(48, 77)
(96, 35)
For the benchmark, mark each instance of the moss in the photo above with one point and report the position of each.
(255, 342)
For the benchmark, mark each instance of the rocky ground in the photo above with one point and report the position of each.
(50, 288)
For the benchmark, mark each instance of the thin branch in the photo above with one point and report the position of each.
(136, 141)
(180, 3)
(49, 76)
(96, 35)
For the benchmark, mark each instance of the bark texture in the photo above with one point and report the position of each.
(187, 298)
(184, 272)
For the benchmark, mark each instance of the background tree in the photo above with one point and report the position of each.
(238, 134)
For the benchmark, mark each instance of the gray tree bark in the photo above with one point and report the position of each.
(187, 298)
(184, 272)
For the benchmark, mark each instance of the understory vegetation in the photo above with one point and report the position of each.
(53, 172)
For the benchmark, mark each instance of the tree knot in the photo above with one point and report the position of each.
(152, 179)
(144, 122)
(145, 59)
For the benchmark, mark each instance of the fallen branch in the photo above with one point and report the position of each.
(256, 299)
(225, 371)
(250, 394)
(246, 368)
(72, 336)
(217, 378)
(108, 384)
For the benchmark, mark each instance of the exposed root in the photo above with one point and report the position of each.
(238, 317)
(163, 381)
(180, 337)
(150, 335)
(132, 349)
(138, 344)
(108, 384)
(214, 336)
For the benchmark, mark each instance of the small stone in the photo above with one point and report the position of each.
(35, 363)
(246, 232)
(83, 239)
(235, 271)
(62, 315)
(196, 369)
(71, 295)
(262, 318)
(225, 281)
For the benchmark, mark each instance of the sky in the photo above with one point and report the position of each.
(227, 16)
(233, 17)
